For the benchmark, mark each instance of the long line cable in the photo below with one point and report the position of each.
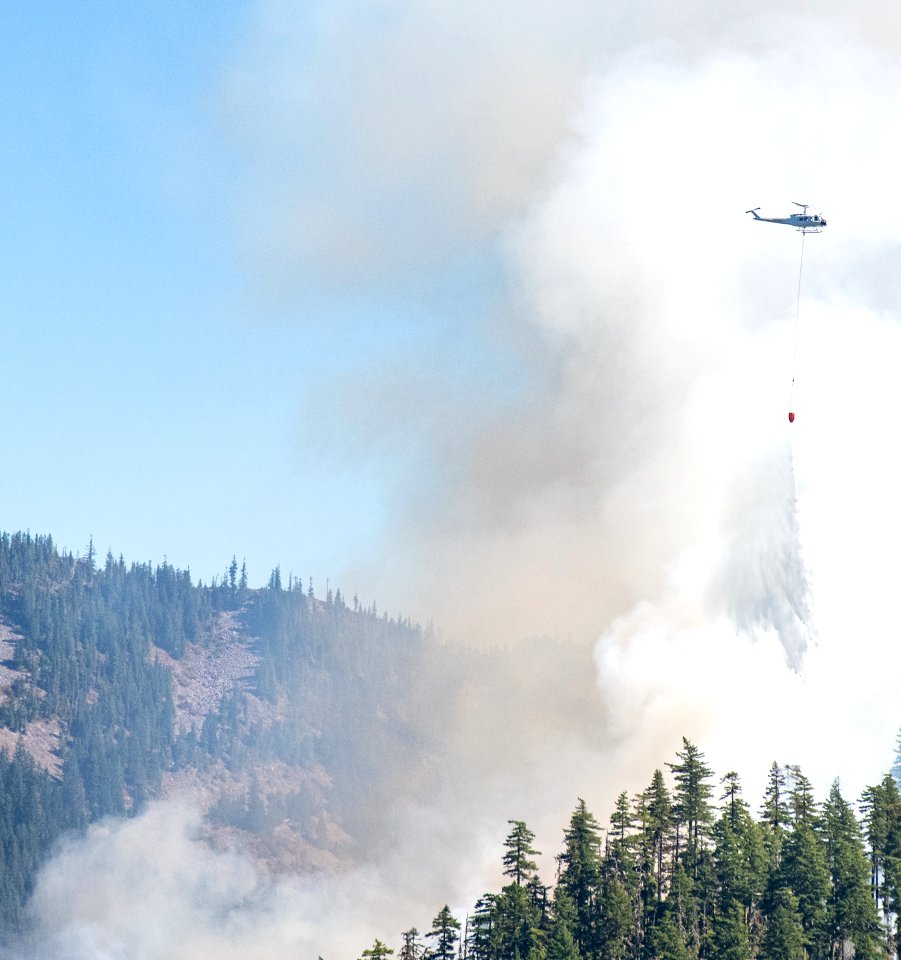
(791, 392)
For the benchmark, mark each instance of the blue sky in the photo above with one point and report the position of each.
(157, 392)
(457, 306)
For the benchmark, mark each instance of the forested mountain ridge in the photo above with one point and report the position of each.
(122, 683)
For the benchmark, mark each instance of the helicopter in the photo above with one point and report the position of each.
(805, 222)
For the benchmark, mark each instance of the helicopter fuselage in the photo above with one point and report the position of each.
(808, 222)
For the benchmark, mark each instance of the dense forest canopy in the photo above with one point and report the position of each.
(89, 654)
(686, 870)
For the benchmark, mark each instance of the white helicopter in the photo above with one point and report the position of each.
(805, 222)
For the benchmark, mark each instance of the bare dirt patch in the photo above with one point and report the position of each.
(209, 670)
(8, 640)
(41, 740)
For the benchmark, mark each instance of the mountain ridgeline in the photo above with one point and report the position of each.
(121, 683)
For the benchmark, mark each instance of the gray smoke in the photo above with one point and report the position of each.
(616, 461)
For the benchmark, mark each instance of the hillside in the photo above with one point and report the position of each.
(275, 711)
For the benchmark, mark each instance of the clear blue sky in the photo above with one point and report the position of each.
(156, 395)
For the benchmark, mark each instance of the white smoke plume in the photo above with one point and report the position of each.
(150, 888)
(637, 478)
(637, 481)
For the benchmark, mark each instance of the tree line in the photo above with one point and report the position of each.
(685, 871)
(85, 655)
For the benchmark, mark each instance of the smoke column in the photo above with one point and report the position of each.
(634, 483)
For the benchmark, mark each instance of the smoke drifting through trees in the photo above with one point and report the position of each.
(633, 482)
(682, 865)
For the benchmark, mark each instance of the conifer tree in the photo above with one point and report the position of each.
(851, 911)
(784, 938)
(378, 951)
(657, 803)
(615, 913)
(482, 929)
(561, 944)
(774, 820)
(684, 907)
(619, 852)
(666, 939)
(644, 862)
(580, 873)
(537, 892)
(518, 850)
(890, 800)
(729, 937)
(734, 807)
(517, 931)
(774, 811)
(805, 872)
(740, 859)
(692, 796)
(803, 805)
(881, 809)
(411, 948)
(876, 825)
(444, 934)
